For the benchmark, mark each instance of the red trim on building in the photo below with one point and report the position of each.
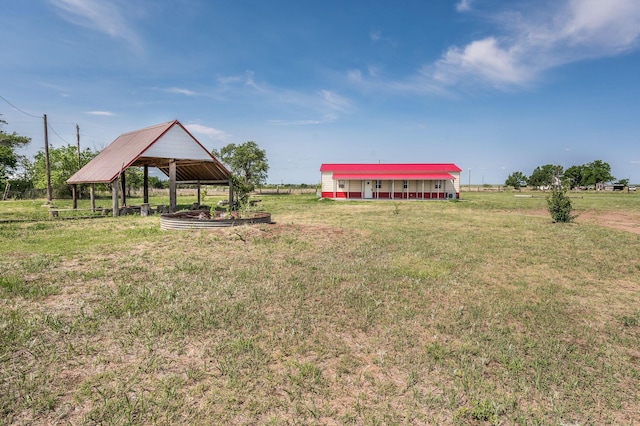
(385, 176)
(391, 168)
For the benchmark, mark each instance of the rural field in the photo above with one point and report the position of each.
(471, 312)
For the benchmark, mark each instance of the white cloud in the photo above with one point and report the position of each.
(527, 44)
(249, 81)
(207, 131)
(100, 15)
(180, 91)
(328, 107)
(335, 102)
(484, 59)
(294, 122)
(611, 24)
(233, 79)
(101, 113)
(373, 70)
(464, 5)
(354, 76)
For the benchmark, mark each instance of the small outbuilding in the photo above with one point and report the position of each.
(169, 147)
(390, 181)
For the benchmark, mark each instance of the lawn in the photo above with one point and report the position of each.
(479, 311)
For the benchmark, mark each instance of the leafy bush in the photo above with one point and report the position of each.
(560, 206)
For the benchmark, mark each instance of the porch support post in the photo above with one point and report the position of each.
(145, 184)
(123, 188)
(114, 197)
(173, 185)
(92, 196)
(393, 189)
(74, 194)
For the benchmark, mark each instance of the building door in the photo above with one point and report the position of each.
(368, 189)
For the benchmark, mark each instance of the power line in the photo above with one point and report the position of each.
(49, 126)
(54, 131)
(18, 109)
(35, 116)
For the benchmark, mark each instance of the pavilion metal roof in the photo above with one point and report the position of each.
(155, 146)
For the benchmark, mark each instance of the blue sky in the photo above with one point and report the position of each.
(493, 86)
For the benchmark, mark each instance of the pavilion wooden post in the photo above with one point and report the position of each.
(172, 186)
(74, 195)
(230, 193)
(145, 185)
(123, 188)
(92, 196)
(198, 194)
(114, 197)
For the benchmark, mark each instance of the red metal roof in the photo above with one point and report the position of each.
(385, 176)
(127, 151)
(397, 169)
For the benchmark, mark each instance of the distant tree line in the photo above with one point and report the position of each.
(553, 175)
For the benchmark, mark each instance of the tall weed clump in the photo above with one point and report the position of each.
(560, 206)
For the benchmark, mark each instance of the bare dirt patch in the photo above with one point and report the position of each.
(622, 221)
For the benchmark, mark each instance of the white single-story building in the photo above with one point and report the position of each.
(390, 181)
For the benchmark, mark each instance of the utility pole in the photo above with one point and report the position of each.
(46, 159)
(78, 140)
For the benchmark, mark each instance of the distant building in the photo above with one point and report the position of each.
(614, 187)
(390, 181)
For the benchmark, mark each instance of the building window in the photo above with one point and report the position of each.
(341, 184)
(438, 185)
(405, 184)
(378, 184)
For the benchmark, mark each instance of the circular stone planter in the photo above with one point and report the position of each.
(202, 220)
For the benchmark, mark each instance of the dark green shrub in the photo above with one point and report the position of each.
(560, 206)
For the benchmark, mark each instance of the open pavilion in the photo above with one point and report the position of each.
(167, 146)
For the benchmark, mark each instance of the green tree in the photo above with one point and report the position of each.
(249, 166)
(9, 158)
(575, 176)
(516, 179)
(247, 161)
(597, 171)
(63, 162)
(155, 182)
(134, 179)
(546, 176)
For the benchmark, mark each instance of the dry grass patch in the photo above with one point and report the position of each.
(340, 313)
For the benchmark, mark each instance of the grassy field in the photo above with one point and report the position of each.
(475, 312)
